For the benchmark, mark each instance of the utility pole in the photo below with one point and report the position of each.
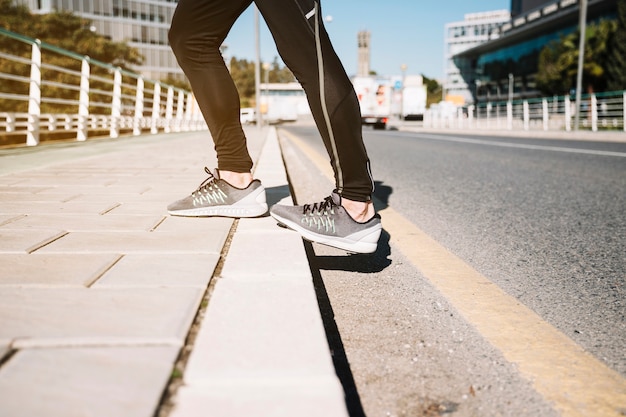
(581, 57)
(257, 68)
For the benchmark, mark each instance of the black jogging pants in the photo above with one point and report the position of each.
(198, 29)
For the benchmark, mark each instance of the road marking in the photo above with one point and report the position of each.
(518, 145)
(573, 380)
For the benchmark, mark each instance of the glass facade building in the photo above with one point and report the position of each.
(506, 67)
(475, 29)
(142, 24)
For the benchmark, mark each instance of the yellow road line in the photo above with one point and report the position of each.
(560, 370)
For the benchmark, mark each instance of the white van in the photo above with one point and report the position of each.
(247, 115)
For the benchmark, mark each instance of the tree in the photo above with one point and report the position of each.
(64, 30)
(616, 63)
(433, 90)
(558, 61)
(280, 74)
(242, 72)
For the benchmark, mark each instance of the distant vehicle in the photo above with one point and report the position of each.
(282, 102)
(247, 115)
(374, 96)
(413, 98)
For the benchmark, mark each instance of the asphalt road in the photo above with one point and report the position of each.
(542, 219)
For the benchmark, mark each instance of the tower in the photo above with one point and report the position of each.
(364, 53)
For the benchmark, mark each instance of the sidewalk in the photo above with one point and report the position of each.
(99, 288)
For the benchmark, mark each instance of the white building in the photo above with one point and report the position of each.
(142, 24)
(475, 29)
(283, 102)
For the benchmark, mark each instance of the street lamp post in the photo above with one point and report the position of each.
(403, 68)
(257, 67)
(581, 57)
(266, 70)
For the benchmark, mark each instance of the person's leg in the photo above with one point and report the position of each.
(197, 31)
(305, 47)
(346, 219)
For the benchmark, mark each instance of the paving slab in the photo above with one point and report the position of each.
(68, 181)
(9, 218)
(26, 241)
(70, 316)
(85, 222)
(56, 207)
(76, 382)
(250, 251)
(114, 188)
(157, 198)
(28, 197)
(286, 398)
(141, 207)
(68, 270)
(186, 225)
(160, 270)
(233, 342)
(138, 242)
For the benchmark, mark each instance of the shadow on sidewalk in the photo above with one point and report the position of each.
(340, 359)
(276, 194)
(365, 263)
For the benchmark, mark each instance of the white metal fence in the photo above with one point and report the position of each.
(598, 112)
(94, 98)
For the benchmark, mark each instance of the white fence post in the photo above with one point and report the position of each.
(10, 122)
(509, 115)
(489, 115)
(34, 99)
(568, 114)
(526, 115)
(169, 109)
(470, 115)
(544, 104)
(156, 108)
(180, 110)
(594, 113)
(138, 107)
(116, 104)
(188, 112)
(83, 101)
(624, 111)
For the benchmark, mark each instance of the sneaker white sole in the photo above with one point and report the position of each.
(365, 241)
(252, 205)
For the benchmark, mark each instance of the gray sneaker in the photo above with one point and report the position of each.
(216, 197)
(330, 224)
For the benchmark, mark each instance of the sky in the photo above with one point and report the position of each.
(409, 32)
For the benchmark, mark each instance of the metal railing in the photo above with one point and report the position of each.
(39, 96)
(598, 112)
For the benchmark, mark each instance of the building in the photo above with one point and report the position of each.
(475, 29)
(506, 66)
(363, 64)
(142, 24)
(519, 7)
(283, 102)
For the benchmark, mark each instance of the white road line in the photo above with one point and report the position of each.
(520, 145)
